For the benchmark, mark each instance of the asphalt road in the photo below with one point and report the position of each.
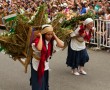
(98, 69)
(12, 76)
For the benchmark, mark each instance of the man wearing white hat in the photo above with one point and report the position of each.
(77, 53)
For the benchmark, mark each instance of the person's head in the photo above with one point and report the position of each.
(100, 3)
(47, 32)
(89, 23)
(95, 2)
(83, 4)
(108, 10)
(91, 6)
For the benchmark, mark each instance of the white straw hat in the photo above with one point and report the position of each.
(46, 28)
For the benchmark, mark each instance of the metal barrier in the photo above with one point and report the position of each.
(101, 36)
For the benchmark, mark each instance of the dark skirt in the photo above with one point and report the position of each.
(76, 58)
(34, 80)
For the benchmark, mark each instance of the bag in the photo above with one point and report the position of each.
(79, 38)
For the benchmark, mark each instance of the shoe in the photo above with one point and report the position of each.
(76, 73)
(83, 72)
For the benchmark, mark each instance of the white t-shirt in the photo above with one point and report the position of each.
(35, 63)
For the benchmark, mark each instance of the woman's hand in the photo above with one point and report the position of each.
(83, 34)
(60, 43)
(39, 34)
(54, 35)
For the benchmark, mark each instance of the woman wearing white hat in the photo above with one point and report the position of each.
(43, 47)
(77, 54)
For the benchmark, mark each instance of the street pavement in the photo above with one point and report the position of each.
(97, 78)
(12, 76)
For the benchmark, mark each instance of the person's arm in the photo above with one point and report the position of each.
(39, 44)
(79, 5)
(60, 43)
(83, 34)
(70, 2)
(75, 33)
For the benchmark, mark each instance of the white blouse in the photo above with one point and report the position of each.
(35, 63)
(75, 44)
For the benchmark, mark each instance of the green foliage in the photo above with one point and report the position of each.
(1, 48)
(56, 23)
(40, 17)
(14, 42)
(76, 20)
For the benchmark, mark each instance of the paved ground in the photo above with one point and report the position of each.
(98, 69)
(12, 76)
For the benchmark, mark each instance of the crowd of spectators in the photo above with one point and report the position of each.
(99, 7)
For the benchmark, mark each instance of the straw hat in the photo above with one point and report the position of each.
(46, 28)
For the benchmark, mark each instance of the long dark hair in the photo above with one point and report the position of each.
(51, 41)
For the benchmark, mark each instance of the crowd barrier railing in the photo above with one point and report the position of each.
(101, 36)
